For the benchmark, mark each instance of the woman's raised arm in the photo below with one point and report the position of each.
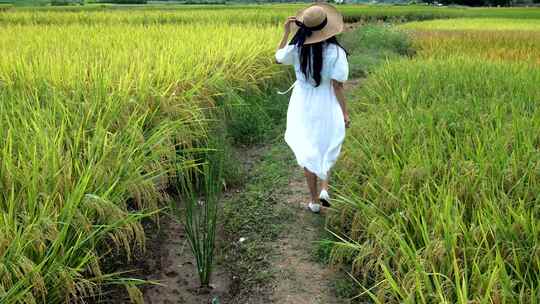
(286, 32)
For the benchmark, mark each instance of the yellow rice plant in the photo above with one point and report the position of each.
(439, 176)
(493, 39)
(244, 14)
(478, 24)
(93, 119)
(249, 16)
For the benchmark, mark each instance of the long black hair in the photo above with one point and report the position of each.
(311, 57)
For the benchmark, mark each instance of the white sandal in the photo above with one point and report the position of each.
(315, 208)
(324, 198)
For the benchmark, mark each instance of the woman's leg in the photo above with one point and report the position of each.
(311, 179)
(323, 196)
(324, 183)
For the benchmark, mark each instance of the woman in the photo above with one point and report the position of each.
(317, 114)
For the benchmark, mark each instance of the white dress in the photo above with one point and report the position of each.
(315, 123)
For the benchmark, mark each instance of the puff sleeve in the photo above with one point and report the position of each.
(340, 70)
(286, 55)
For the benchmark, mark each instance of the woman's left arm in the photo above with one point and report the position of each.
(340, 95)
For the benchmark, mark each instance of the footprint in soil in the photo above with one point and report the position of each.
(171, 273)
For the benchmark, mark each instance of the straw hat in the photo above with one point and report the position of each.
(321, 19)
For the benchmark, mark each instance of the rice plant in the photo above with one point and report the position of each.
(102, 109)
(439, 176)
(249, 15)
(494, 39)
(91, 121)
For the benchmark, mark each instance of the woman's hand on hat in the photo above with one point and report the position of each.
(286, 33)
(290, 20)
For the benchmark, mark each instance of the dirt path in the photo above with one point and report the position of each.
(300, 279)
(294, 275)
(290, 270)
(276, 264)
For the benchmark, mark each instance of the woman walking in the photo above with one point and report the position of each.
(317, 114)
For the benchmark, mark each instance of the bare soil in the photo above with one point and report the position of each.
(176, 272)
(300, 279)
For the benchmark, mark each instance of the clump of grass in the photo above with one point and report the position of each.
(371, 45)
(253, 117)
(200, 217)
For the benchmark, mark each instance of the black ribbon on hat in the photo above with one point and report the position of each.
(304, 32)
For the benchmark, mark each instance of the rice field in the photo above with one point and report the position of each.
(494, 39)
(96, 123)
(242, 14)
(102, 109)
(439, 179)
(477, 24)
